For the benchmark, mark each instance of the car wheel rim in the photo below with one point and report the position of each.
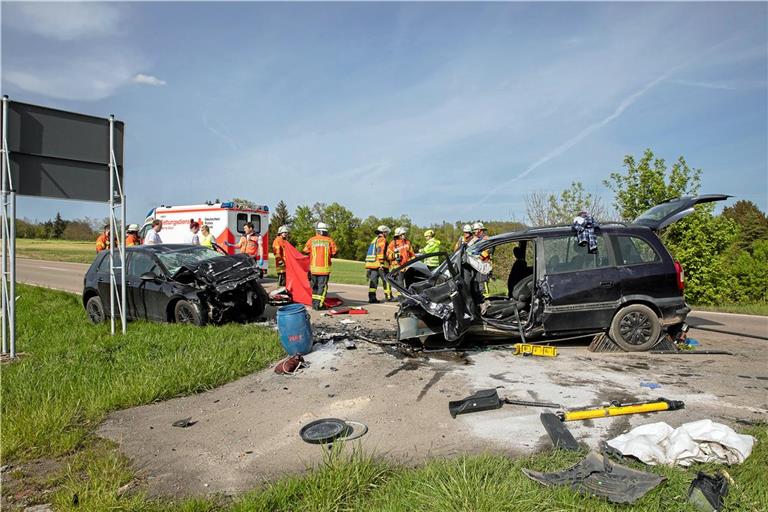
(184, 315)
(94, 313)
(635, 328)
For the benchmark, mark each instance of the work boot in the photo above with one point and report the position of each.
(372, 298)
(316, 305)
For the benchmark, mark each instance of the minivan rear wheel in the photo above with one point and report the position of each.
(635, 328)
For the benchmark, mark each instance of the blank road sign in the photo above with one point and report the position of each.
(58, 154)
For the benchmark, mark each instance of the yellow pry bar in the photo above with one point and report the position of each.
(614, 410)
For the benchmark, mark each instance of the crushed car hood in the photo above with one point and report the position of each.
(223, 273)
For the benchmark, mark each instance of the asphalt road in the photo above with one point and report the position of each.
(69, 277)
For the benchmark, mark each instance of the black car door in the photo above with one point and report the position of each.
(102, 282)
(146, 299)
(584, 288)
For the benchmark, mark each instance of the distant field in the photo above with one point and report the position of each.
(344, 271)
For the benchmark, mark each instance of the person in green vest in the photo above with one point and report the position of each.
(432, 246)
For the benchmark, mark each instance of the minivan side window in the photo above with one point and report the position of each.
(563, 254)
(634, 250)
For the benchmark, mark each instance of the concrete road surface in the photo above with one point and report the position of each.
(69, 277)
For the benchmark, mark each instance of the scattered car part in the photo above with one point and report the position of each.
(598, 476)
(707, 492)
(323, 431)
(619, 409)
(650, 385)
(528, 349)
(184, 423)
(559, 434)
(358, 430)
(486, 400)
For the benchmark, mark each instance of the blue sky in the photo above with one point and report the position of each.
(439, 111)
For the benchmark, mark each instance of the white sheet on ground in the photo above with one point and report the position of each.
(698, 441)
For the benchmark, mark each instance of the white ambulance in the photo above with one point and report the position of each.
(225, 220)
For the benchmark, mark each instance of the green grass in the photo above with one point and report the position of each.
(760, 308)
(72, 373)
(56, 250)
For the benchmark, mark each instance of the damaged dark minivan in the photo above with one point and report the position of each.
(628, 286)
(179, 283)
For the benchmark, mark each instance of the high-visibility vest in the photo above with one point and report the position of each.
(433, 245)
(321, 249)
(206, 241)
(102, 243)
(399, 253)
(132, 240)
(277, 248)
(249, 245)
(376, 257)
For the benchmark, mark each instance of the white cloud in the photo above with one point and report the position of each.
(84, 79)
(141, 78)
(65, 21)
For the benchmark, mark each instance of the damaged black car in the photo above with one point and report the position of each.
(178, 283)
(624, 283)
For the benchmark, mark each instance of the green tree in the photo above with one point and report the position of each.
(303, 226)
(753, 223)
(342, 226)
(543, 210)
(749, 269)
(280, 217)
(245, 203)
(648, 182)
(58, 226)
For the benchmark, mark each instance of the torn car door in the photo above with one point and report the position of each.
(445, 294)
(672, 210)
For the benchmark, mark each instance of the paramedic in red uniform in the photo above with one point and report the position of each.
(249, 242)
(321, 248)
(279, 250)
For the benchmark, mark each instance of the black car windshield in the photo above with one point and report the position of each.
(174, 260)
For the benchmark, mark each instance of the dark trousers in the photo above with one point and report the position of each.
(281, 278)
(319, 290)
(373, 283)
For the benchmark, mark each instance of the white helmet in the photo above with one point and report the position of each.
(467, 228)
(400, 231)
(383, 229)
(478, 225)
(283, 229)
(322, 226)
(132, 227)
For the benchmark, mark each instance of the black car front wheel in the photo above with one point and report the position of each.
(186, 313)
(635, 328)
(95, 310)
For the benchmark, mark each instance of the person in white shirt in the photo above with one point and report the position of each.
(153, 235)
(194, 227)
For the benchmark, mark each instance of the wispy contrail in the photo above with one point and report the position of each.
(624, 105)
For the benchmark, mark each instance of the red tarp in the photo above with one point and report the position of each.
(296, 269)
(296, 280)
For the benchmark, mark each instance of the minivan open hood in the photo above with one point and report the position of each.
(672, 210)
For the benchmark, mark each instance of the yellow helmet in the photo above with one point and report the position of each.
(429, 233)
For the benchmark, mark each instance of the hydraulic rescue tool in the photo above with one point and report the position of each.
(618, 409)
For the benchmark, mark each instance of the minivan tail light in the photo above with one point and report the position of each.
(680, 276)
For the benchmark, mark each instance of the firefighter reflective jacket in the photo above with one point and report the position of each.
(102, 243)
(132, 239)
(377, 254)
(399, 252)
(432, 246)
(321, 249)
(249, 245)
(277, 248)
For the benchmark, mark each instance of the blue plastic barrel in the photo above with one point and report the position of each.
(295, 329)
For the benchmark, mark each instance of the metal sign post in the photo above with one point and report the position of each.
(116, 202)
(8, 270)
